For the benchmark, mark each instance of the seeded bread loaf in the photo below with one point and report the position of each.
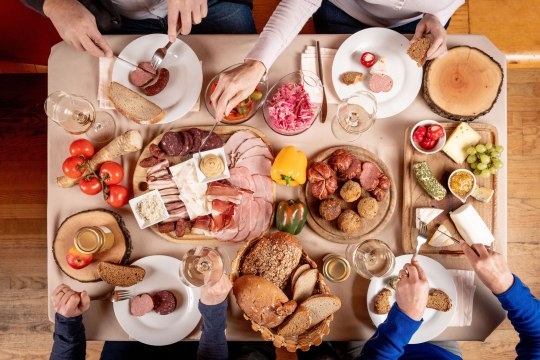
(134, 106)
(120, 275)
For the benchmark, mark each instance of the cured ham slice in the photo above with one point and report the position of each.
(234, 142)
(222, 207)
(162, 184)
(261, 150)
(164, 164)
(241, 177)
(263, 187)
(174, 205)
(256, 165)
(249, 144)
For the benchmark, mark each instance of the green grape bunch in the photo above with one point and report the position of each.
(485, 159)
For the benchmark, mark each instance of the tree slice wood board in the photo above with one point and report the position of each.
(415, 197)
(63, 241)
(462, 85)
(139, 179)
(329, 229)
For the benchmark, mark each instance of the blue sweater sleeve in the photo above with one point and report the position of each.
(213, 343)
(69, 339)
(391, 336)
(524, 314)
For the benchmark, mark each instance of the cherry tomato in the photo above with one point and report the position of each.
(368, 59)
(81, 147)
(419, 134)
(74, 167)
(435, 132)
(90, 186)
(428, 144)
(111, 172)
(118, 196)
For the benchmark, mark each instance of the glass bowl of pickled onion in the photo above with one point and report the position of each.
(293, 103)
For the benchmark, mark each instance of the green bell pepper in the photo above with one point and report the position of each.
(291, 216)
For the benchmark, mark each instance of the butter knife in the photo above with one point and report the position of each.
(319, 65)
(134, 65)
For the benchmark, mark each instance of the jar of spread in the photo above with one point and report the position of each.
(336, 268)
(93, 239)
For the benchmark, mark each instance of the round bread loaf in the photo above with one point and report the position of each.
(274, 258)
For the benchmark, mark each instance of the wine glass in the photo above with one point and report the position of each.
(202, 263)
(355, 115)
(77, 115)
(371, 258)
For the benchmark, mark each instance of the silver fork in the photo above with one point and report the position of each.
(421, 238)
(160, 53)
(115, 295)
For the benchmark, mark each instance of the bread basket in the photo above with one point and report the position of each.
(304, 341)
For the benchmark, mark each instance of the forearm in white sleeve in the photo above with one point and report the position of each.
(284, 24)
(445, 14)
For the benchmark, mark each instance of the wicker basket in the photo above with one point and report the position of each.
(302, 342)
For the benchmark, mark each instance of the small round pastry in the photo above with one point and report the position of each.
(368, 208)
(330, 209)
(349, 222)
(212, 166)
(350, 191)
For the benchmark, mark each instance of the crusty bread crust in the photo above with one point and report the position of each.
(118, 93)
(382, 301)
(439, 300)
(120, 275)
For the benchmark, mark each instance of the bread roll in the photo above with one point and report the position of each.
(262, 301)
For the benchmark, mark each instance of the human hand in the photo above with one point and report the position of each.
(430, 24)
(236, 85)
(216, 293)
(490, 267)
(412, 290)
(77, 26)
(69, 303)
(188, 12)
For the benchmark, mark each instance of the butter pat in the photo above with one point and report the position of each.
(482, 194)
(456, 145)
(470, 225)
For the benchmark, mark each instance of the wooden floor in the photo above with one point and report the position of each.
(25, 332)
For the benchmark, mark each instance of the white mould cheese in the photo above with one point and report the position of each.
(470, 225)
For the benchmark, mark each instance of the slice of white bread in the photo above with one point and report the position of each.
(134, 106)
(304, 285)
(120, 275)
(321, 306)
(299, 270)
(296, 324)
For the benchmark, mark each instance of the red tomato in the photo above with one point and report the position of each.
(368, 59)
(111, 172)
(118, 196)
(435, 132)
(74, 167)
(81, 147)
(90, 186)
(428, 144)
(419, 134)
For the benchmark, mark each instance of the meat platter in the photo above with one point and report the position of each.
(384, 197)
(241, 206)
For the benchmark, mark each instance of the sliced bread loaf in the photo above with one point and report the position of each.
(321, 306)
(296, 324)
(299, 270)
(134, 106)
(304, 285)
(120, 275)
(439, 300)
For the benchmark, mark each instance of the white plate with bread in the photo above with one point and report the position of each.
(181, 92)
(443, 295)
(152, 328)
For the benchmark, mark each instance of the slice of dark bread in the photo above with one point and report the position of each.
(439, 300)
(120, 275)
(418, 50)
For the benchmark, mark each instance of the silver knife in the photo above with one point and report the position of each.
(134, 65)
(319, 65)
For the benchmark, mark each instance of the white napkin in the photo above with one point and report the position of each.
(105, 76)
(464, 280)
(308, 61)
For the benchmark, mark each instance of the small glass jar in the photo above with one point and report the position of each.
(93, 239)
(336, 268)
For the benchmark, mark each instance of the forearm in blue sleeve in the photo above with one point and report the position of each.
(213, 343)
(69, 339)
(391, 336)
(524, 314)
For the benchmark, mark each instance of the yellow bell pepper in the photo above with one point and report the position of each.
(289, 167)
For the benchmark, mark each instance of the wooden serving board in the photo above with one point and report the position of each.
(118, 254)
(415, 197)
(329, 229)
(139, 178)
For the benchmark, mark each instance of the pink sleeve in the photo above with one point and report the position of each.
(282, 27)
(445, 14)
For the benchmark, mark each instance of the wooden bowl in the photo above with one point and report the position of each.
(312, 336)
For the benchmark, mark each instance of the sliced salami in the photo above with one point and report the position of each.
(171, 143)
(164, 302)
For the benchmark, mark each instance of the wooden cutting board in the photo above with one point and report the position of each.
(415, 197)
(139, 178)
(329, 229)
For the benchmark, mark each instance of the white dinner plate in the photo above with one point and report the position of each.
(185, 80)
(439, 278)
(407, 76)
(162, 273)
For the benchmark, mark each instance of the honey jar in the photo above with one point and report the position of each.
(336, 268)
(93, 239)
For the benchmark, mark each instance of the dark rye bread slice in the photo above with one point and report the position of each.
(439, 300)
(120, 275)
(418, 50)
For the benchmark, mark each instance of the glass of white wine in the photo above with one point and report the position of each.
(77, 115)
(371, 258)
(355, 115)
(202, 265)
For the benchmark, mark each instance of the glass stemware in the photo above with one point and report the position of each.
(355, 115)
(202, 265)
(371, 258)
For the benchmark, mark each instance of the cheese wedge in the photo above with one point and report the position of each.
(456, 145)
(426, 215)
(470, 225)
(482, 194)
(441, 237)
